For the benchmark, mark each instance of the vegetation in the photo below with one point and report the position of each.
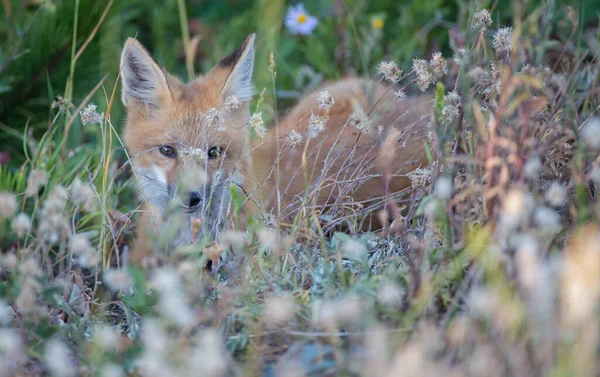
(493, 268)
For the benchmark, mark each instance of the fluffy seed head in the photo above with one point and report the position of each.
(325, 100)
(21, 224)
(37, 179)
(8, 205)
(503, 40)
(257, 123)
(482, 19)
(390, 71)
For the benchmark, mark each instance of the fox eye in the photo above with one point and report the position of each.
(167, 151)
(215, 152)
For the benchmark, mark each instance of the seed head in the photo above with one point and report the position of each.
(399, 95)
(89, 115)
(390, 71)
(590, 133)
(8, 205)
(482, 19)
(294, 138)
(21, 224)
(424, 76)
(317, 123)
(37, 179)
(118, 280)
(439, 66)
(258, 124)
(214, 120)
(325, 100)
(556, 194)
(232, 103)
(503, 40)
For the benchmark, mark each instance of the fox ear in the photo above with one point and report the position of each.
(143, 80)
(239, 66)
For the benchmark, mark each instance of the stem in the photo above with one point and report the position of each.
(185, 34)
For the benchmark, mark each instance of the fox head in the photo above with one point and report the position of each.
(187, 141)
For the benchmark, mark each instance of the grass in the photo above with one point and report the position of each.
(492, 269)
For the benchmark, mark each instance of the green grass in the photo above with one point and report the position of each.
(494, 273)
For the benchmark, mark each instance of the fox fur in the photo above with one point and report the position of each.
(173, 128)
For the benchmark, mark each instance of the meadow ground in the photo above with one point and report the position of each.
(491, 266)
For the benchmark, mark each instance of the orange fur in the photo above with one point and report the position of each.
(162, 110)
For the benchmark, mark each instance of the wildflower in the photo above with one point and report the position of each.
(532, 168)
(580, 278)
(6, 313)
(359, 120)
(432, 209)
(548, 220)
(58, 358)
(331, 313)
(208, 357)
(56, 201)
(111, 370)
(461, 57)
(232, 239)
(483, 19)
(106, 337)
(390, 71)
(390, 294)
(298, 21)
(89, 259)
(278, 310)
(449, 114)
(316, 124)
(232, 103)
(63, 104)
(172, 303)
(214, 119)
(89, 115)
(452, 98)
(502, 41)
(438, 65)
(37, 179)
(11, 352)
(8, 205)
(325, 100)
(53, 226)
(377, 22)
(590, 133)
(556, 194)
(258, 124)
(83, 194)
(516, 208)
(399, 95)
(353, 249)
(118, 280)
(527, 257)
(21, 224)
(79, 244)
(419, 177)
(294, 138)
(268, 238)
(424, 76)
(443, 188)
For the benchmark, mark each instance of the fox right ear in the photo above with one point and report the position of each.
(143, 80)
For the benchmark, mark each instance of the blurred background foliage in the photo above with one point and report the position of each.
(36, 47)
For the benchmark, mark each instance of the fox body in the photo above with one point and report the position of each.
(189, 142)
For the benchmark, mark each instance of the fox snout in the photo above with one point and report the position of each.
(194, 199)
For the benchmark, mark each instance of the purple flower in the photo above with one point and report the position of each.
(299, 21)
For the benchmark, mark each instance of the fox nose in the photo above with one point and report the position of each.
(194, 199)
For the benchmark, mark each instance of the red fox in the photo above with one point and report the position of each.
(188, 143)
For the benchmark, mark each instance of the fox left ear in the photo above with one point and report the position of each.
(239, 64)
